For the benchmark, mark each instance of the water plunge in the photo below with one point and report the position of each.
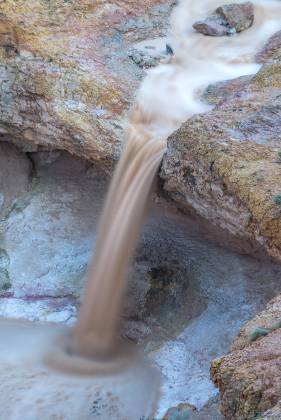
(167, 97)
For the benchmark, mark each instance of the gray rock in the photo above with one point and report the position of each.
(269, 49)
(227, 20)
(238, 16)
(213, 26)
(143, 59)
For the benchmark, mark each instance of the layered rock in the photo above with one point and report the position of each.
(224, 165)
(66, 77)
(249, 378)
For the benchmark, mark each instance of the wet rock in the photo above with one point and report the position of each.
(209, 411)
(181, 412)
(184, 297)
(72, 95)
(145, 59)
(270, 48)
(150, 53)
(213, 26)
(50, 207)
(224, 165)
(249, 377)
(221, 91)
(238, 16)
(227, 20)
(160, 292)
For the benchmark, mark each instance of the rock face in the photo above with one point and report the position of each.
(249, 378)
(184, 299)
(270, 48)
(227, 20)
(224, 165)
(50, 205)
(66, 78)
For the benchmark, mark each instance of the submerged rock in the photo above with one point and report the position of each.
(227, 20)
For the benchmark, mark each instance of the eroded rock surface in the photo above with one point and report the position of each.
(50, 207)
(66, 77)
(224, 165)
(249, 378)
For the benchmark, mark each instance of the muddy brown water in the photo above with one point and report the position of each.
(227, 287)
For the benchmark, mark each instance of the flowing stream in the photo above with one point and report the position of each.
(167, 97)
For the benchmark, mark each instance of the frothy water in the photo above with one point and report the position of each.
(167, 97)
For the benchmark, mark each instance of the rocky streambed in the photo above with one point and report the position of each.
(209, 258)
(187, 296)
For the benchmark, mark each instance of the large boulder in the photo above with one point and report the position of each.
(249, 378)
(225, 166)
(65, 74)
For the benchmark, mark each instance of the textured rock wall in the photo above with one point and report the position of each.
(249, 378)
(224, 165)
(65, 75)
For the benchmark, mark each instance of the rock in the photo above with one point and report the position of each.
(181, 412)
(209, 411)
(238, 16)
(249, 378)
(274, 413)
(150, 53)
(224, 165)
(47, 230)
(221, 91)
(269, 49)
(266, 319)
(227, 20)
(12, 163)
(213, 26)
(73, 94)
(143, 60)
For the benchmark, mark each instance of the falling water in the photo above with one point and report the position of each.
(166, 98)
(169, 95)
